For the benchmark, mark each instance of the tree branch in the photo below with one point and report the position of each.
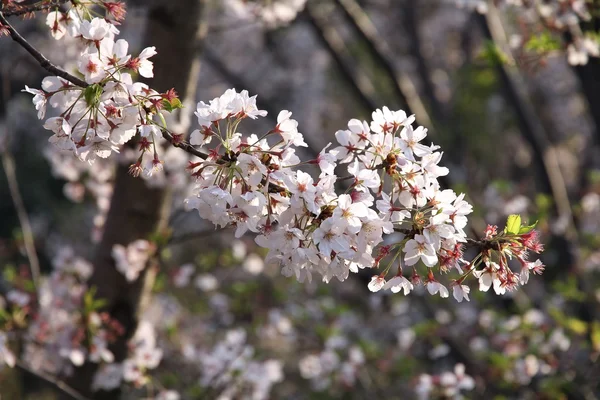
(43, 61)
(8, 163)
(182, 144)
(57, 384)
(42, 6)
(530, 127)
(333, 43)
(379, 49)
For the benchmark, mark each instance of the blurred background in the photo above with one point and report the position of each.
(509, 89)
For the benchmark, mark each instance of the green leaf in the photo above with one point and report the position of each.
(4, 316)
(596, 335)
(92, 94)
(99, 303)
(576, 325)
(10, 273)
(569, 289)
(167, 105)
(528, 228)
(176, 103)
(172, 105)
(572, 324)
(542, 43)
(493, 54)
(513, 224)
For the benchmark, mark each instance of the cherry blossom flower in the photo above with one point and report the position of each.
(399, 283)
(460, 292)
(377, 283)
(433, 287)
(420, 249)
(288, 129)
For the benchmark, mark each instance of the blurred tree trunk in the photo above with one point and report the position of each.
(589, 76)
(137, 211)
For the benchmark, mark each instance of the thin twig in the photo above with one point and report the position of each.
(530, 126)
(334, 44)
(182, 144)
(52, 381)
(8, 163)
(42, 6)
(403, 87)
(42, 60)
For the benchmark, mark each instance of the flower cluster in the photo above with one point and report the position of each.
(144, 355)
(306, 226)
(376, 203)
(131, 260)
(509, 244)
(68, 329)
(327, 368)
(107, 109)
(446, 385)
(230, 367)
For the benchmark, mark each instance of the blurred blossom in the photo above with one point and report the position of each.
(406, 338)
(168, 395)
(336, 342)
(238, 249)
(108, 377)
(486, 318)
(513, 323)
(182, 275)
(254, 264)
(439, 351)
(310, 366)
(207, 282)
(534, 317)
(18, 298)
(516, 205)
(6, 356)
(443, 317)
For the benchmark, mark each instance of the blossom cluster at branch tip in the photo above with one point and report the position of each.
(94, 121)
(253, 183)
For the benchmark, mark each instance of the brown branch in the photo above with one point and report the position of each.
(42, 6)
(41, 59)
(57, 384)
(531, 128)
(333, 43)
(182, 144)
(8, 163)
(403, 88)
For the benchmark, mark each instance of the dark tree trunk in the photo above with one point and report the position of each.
(176, 28)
